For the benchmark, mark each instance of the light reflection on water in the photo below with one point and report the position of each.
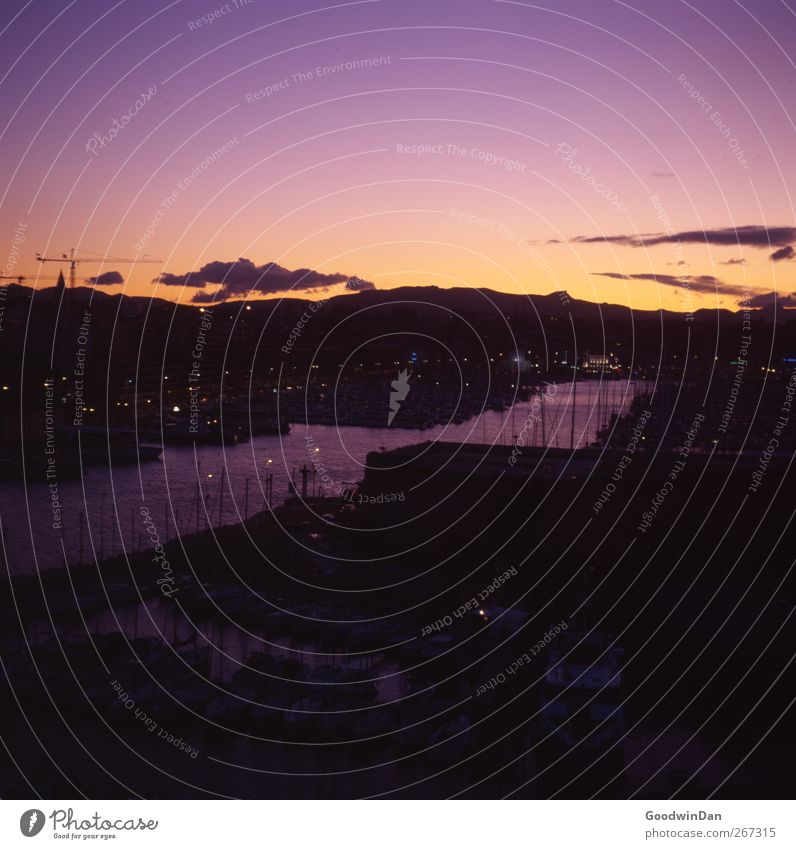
(183, 489)
(109, 502)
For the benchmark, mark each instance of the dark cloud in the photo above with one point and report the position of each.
(243, 277)
(109, 278)
(734, 261)
(752, 235)
(180, 280)
(704, 283)
(662, 174)
(768, 299)
(783, 253)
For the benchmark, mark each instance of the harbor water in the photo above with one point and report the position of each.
(190, 488)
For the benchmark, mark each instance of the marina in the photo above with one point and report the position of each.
(185, 491)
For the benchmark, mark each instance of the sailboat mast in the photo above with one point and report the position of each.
(544, 433)
(574, 396)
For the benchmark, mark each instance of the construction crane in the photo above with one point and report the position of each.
(20, 277)
(74, 261)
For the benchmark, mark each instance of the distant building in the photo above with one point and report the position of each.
(598, 361)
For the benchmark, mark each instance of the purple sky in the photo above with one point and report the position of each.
(543, 123)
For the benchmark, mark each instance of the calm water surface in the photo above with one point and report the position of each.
(190, 488)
